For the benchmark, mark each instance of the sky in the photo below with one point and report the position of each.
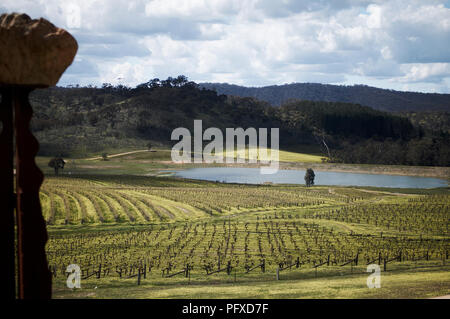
(398, 44)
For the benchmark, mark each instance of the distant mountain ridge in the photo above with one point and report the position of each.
(380, 99)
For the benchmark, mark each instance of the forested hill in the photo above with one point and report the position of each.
(380, 99)
(84, 120)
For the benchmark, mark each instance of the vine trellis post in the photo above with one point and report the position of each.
(33, 54)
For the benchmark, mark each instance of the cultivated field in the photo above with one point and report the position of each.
(211, 240)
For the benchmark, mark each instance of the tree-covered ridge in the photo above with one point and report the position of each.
(381, 99)
(345, 119)
(81, 120)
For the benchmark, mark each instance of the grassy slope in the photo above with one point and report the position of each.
(145, 163)
(284, 156)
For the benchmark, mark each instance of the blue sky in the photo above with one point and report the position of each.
(399, 44)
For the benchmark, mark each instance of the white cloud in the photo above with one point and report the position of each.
(128, 73)
(203, 10)
(397, 44)
(374, 18)
(424, 72)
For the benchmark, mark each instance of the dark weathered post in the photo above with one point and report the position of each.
(33, 54)
(99, 272)
(7, 267)
(139, 276)
(34, 277)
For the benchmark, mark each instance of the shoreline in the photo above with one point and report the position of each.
(414, 171)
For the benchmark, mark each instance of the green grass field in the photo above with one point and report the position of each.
(283, 156)
(121, 217)
(426, 282)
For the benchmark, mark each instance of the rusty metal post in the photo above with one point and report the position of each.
(7, 201)
(34, 277)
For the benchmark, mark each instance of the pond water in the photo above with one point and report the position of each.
(253, 176)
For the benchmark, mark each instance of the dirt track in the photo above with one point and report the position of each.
(115, 155)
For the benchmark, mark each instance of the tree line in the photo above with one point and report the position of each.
(74, 120)
(381, 99)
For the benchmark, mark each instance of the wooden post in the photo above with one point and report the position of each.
(7, 197)
(34, 277)
(139, 276)
(99, 271)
